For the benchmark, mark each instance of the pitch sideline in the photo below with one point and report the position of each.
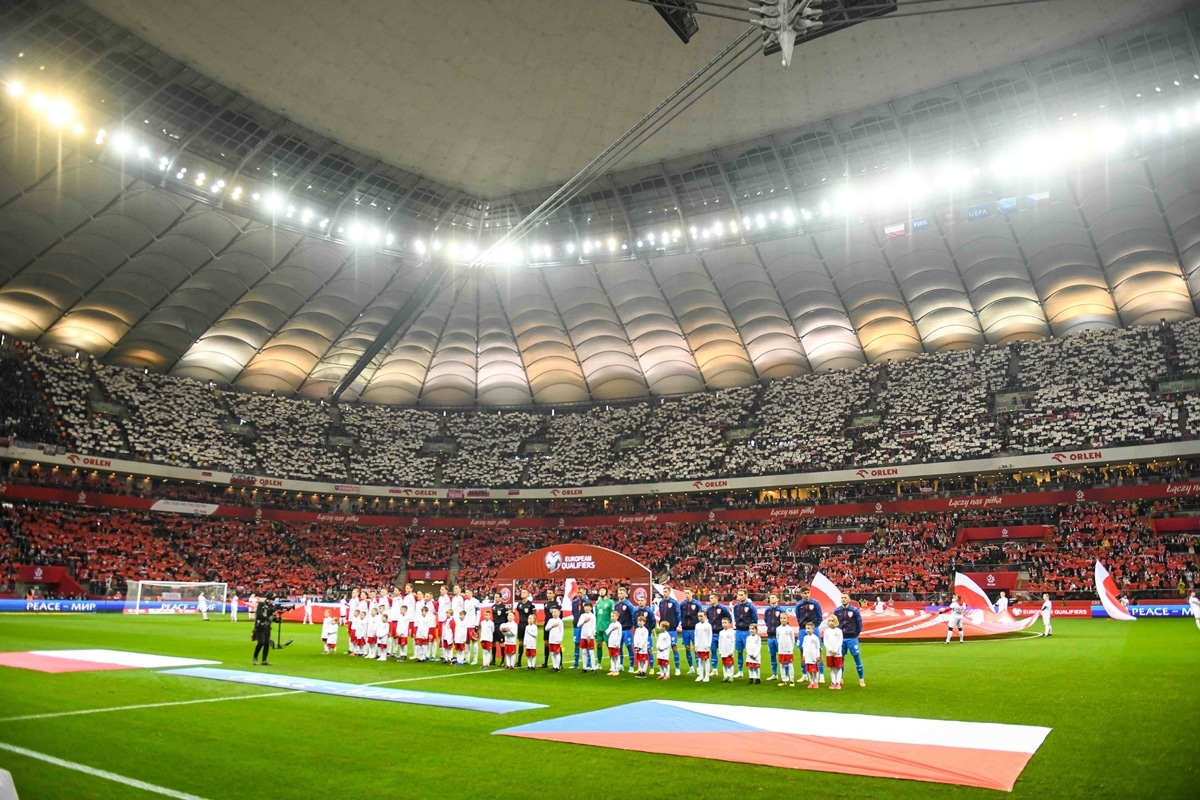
(99, 773)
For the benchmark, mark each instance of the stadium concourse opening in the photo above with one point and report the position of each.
(584, 562)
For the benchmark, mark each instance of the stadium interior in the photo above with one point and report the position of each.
(906, 270)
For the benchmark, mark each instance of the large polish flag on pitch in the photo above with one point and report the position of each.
(971, 593)
(982, 754)
(1106, 588)
(570, 589)
(827, 595)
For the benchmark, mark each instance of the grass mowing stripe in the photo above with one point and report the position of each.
(99, 773)
(214, 699)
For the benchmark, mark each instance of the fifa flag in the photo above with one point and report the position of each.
(1106, 588)
(825, 593)
(987, 755)
(970, 592)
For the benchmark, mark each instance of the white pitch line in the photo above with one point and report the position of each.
(146, 705)
(214, 699)
(99, 773)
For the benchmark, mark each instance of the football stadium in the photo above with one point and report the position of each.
(411, 399)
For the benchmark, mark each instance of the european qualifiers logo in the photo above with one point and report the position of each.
(556, 562)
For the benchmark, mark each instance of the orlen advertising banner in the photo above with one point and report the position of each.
(1004, 532)
(17, 491)
(997, 581)
(833, 539)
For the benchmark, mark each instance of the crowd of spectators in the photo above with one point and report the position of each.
(907, 556)
(1096, 388)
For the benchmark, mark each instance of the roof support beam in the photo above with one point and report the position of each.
(400, 321)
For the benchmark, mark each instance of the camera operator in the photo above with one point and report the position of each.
(264, 615)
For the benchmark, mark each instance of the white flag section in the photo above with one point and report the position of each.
(1106, 588)
(825, 593)
(972, 595)
(570, 589)
(664, 590)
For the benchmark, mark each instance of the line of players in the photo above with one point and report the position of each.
(457, 629)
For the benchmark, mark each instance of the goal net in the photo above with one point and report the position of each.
(174, 597)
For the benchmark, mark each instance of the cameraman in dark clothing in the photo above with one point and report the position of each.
(263, 617)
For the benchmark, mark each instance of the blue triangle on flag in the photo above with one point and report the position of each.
(646, 716)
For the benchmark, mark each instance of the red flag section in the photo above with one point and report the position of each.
(986, 755)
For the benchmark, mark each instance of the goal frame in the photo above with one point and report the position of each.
(138, 600)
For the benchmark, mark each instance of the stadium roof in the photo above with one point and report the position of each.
(977, 211)
(502, 97)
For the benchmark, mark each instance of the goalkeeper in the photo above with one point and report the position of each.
(264, 615)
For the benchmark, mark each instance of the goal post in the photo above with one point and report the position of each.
(174, 597)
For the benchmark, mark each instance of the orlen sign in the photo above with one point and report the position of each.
(88, 461)
(1090, 455)
(710, 484)
(415, 492)
(885, 472)
(567, 492)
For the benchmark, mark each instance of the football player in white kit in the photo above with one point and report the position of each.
(202, 606)
(955, 620)
(1194, 605)
(1047, 606)
(1002, 603)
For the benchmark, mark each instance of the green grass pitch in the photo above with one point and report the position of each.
(1121, 699)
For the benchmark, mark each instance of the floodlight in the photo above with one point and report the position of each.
(37, 100)
(123, 142)
(437, 245)
(760, 221)
(307, 215)
(612, 244)
(78, 129)
(16, 88)
(571, 247)
(389, 239)
(59, 113)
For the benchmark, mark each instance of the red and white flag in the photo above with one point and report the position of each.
(1106, 588)
(971, 593)
(827, 595)
(569, 591)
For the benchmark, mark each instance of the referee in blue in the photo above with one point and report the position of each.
(745, 615)
(851, 623)
(809, 610)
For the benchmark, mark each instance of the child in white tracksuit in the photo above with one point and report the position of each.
(329, 633)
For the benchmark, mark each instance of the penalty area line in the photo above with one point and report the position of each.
(99, 773)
